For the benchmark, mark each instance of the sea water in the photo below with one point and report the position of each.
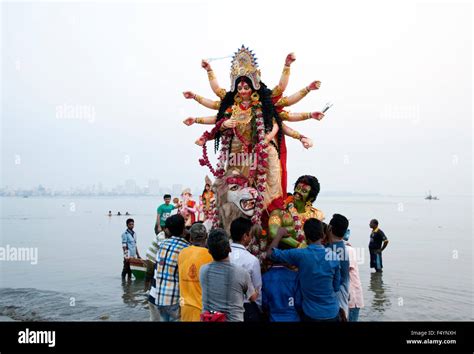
(428, 269)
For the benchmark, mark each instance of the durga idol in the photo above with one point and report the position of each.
(249, 130)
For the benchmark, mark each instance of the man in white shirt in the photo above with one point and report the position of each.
(356, 297)
(240, 234)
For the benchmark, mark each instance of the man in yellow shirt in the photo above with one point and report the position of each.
(190, 261)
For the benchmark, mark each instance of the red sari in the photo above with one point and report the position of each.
(278, 203)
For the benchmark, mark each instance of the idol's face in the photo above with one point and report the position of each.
(302, 191)
(186, 196)
(244, 90)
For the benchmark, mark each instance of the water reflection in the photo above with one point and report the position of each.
(134, 292)
(380, 299)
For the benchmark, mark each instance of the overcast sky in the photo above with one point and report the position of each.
(398, 73)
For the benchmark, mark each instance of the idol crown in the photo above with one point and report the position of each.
(244, 63)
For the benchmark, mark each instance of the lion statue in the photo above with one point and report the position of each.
(233, 198)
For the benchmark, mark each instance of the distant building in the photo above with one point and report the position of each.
(118, 190)
(165, 190)
(130, 186)
(153, 187)
(197, 191)
(177, 189)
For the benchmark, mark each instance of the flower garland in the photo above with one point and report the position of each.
(214, 217)
(219, 172)
(300, 237)
(258, 245)
(226, 136)
(257, 171)
(260, 171)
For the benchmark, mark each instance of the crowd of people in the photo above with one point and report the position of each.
(202, 274)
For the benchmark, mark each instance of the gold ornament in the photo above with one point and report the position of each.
(237, 99)
(255, 97)
(282, 102)
(277, 91)
(274, 220)
(211, 75)
(221, 93)
(284, 115)
(198, 98)
(295, 135)
(304, 92)
(243, 116)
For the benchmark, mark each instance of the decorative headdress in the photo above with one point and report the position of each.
(244, 63)
(186, 190)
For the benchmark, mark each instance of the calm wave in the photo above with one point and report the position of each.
(427, 264)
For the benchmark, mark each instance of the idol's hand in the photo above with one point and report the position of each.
(189, 121)
(282, 232)
(188, 94)
(290, 58)
(307, 142)
(205, 64)
(317, 115)
(314, 85)
(230, 123)
(200, 142)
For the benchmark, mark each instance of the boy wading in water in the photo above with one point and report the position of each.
(129, 246)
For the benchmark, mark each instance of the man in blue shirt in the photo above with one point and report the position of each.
(319, 274)
(281, 294)
(336, 230)
(129, 246)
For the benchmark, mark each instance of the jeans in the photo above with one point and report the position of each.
(164, 313)
(252, 312)
(154, 313)
(126, 269)
(375, 259)
(354, 314)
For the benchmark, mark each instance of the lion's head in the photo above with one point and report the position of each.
(234, 198)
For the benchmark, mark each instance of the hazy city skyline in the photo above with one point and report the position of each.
(93, 91)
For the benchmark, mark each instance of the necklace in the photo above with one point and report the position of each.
(299, 219)
(243, 116)
(245, 105)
